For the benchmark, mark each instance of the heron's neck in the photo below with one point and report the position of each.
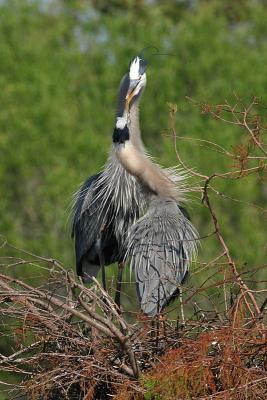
(151, 176)
(130, 152)
(134, 128)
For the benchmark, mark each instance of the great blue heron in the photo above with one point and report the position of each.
(132, 209)
(110, 202)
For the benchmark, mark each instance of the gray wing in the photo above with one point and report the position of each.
(92, 229)
(84, 226)
(161, 246)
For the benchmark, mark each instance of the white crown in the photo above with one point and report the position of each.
(134, 68)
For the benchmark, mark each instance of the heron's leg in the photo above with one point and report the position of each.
(101, 262)
(181, 304)
(103, 272)
(118, 287)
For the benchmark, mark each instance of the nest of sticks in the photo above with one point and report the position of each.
(69, 341)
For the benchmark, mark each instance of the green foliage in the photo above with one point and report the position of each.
(149, 385)
(61, 63)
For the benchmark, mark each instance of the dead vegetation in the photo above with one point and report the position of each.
(68, 341)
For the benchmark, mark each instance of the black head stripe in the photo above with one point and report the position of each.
(142, 66)
(121, 135)
(124, 86)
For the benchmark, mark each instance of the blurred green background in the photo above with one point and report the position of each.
(60, 66)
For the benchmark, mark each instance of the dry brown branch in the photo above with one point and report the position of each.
(68, 360)
(247, 122)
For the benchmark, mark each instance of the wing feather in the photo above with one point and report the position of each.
(161, 246)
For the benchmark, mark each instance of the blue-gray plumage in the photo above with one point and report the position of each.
(160, 246)
(110, 202)
(86, 230)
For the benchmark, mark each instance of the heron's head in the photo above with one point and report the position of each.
(132, 85)
(137, 79)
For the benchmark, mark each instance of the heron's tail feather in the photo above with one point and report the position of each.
(160, 247)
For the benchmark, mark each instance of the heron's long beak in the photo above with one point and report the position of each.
(132, 90)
